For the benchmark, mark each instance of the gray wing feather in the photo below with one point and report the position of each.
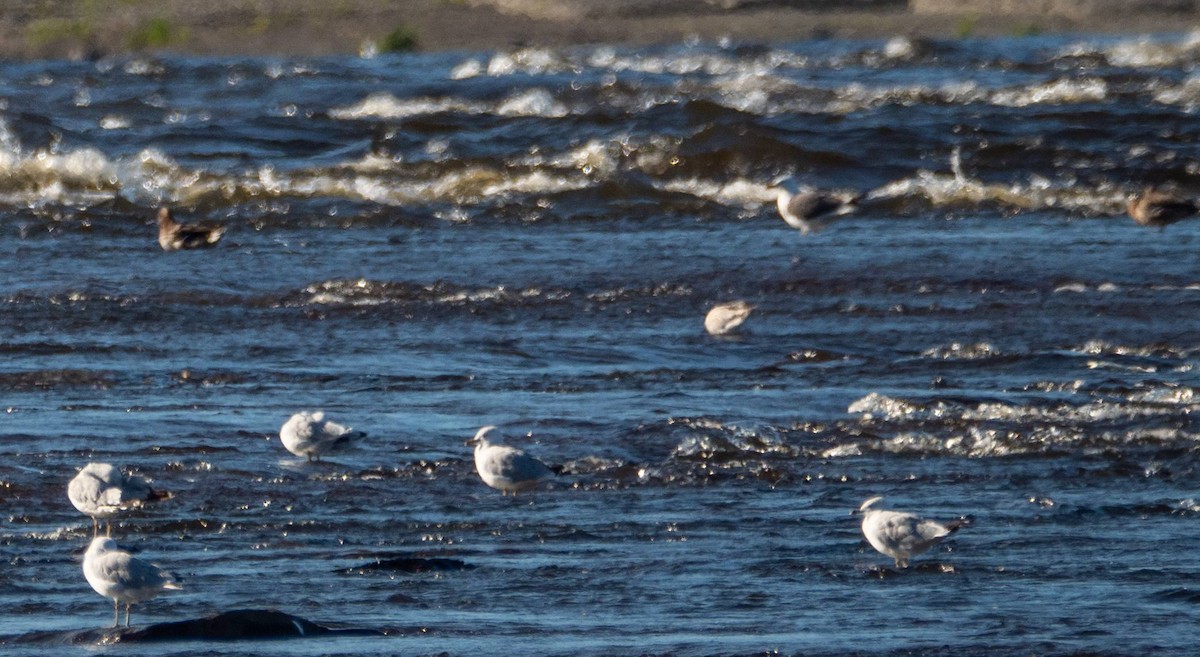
(133, 573)
(514, 464)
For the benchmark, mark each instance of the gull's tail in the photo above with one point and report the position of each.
(959, 523)
(173, 582)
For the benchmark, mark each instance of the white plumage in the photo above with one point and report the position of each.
(507, 469)
(116, 574)
(902, 535)
(723, 318)
(807, 211)
(101, 490)
(311, 435)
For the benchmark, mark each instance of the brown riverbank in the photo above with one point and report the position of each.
(65, 28)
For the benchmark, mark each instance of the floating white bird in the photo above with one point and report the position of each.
(902, 535)
(807, 211)
(507, 469)
(116, 574)
(725, 317)
(102, 491)
(311, 435)
(173, 236)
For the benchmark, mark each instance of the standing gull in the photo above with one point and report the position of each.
(725, 317)
(1154, 208)
(102, 491)
(507, 469)
(808, 210)
(311, 435)
(902, 535)
(173, 236)
(116, 574)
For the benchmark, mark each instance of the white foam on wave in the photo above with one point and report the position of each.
(1140, 52)
(527, 61)
(942, 189)
(466, 70)
(1186, 94)
(74, 176)
(960, 351)
(1082, 288)
(1063, 91)
(751, 194)
(384, 105)
(532, 102)
(597, 158)
(875, 405)
(857, 96)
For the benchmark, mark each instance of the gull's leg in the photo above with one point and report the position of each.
(95, 527)
(116, 613)
(127, 606)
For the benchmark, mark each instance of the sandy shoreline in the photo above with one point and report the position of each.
(76, 28)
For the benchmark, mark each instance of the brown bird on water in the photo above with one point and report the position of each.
(173, 235)
(1154, 208)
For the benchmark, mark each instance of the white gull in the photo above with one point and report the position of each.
(901, 535)
(311, 435)
(101, 490)
(126, 579)
(507, 469)
(808, 210)
(723, 318)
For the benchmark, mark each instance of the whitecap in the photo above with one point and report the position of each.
(1064, 91)
(533, 102)
(384, 105)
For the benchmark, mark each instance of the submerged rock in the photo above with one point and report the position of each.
(226, 626)
(411, 565)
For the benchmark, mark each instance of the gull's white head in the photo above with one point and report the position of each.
(102, 544)
(480, 439)
(866, 506)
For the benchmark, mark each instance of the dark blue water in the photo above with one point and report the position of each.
(421, 245)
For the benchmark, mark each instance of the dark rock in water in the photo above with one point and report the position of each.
(226, 626)
(411, 565)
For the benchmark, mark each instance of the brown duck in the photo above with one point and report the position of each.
(173, 235)
(1154, 208)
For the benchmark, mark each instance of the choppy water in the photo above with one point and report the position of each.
(424, 244)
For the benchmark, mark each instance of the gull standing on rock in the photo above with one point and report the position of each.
(173, 236)
(507, 469)
(102, 491)
(311, 435)
(1154, 208)
(725, 317)
(116, 574)
(809, 210)
(902, 535)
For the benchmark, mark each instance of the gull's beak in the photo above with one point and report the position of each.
(471, 442)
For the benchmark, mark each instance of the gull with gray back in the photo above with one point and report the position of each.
(507, 469)
(810, 210)
(901, 535)
(102, 491)
(312, 436)
(122, 577)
